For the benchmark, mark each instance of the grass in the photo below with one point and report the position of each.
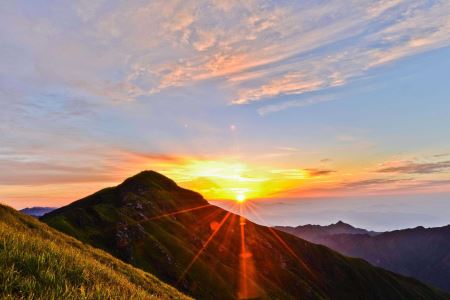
(37, 262)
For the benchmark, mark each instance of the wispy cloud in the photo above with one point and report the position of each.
(256, 49)
(409, 167)
(272, 108)
(442, 154)
(300, 173)
(393, 30)
(319, 172)
(374, 183)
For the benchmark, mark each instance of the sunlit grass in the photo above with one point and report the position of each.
(36, 262)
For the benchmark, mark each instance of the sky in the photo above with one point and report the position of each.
(315, 111)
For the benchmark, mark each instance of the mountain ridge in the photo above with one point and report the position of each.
(422, 253)
(177, 235)
(313, 233)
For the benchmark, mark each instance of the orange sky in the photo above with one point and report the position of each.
(226, 177)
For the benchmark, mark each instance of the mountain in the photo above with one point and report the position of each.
(422, 253)
(211, 253)
(38, 262)
(37, 211)
(315, 233)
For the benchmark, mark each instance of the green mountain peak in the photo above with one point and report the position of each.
(211, 253)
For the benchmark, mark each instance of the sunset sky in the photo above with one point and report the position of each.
(314, 110)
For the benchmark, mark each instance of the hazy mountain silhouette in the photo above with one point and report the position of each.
(315, 233)
(214, 254)
(423, 253)
(37, 211)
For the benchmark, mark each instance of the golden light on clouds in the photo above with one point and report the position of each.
(228, 179)
(225, 177)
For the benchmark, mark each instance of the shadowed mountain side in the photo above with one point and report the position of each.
(423, 253)
(38, 262)
(213, 254)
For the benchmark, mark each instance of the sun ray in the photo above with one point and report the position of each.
(283, 242)
(200, 251)
(228, 236)
(209, 216)
(177, 212)
(248, 289)
(243, 284)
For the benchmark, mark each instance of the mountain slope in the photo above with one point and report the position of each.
(423, 253)
(37, 211)
(38, 262)
(214, 254)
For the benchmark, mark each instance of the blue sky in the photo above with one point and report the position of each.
(293, 99)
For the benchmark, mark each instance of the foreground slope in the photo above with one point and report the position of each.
(38, 262)
(214, 254)
(423, 253)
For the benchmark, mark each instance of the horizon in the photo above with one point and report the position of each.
(372, 215)
(301, 108)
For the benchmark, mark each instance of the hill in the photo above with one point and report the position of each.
(423, 253)
(210, 253)
(315, 233)
(38, 262)
(37, 211)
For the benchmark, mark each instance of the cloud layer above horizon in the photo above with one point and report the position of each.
(253, 50)
(303, 92)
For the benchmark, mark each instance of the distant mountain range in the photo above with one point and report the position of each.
(37, 211)
(39, 262)
(315, 233)
(211, 253)
(423, 253)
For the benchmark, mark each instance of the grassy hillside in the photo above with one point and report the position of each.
(38, 262)
(135, 221)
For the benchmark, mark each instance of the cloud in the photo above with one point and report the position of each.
(83, 164)
(442, 154)
(394, 30)
(374, 182)
(289, 84)
(410, 167)
(40, 173)
(255, 50)
(302, 173)
(268, 109)
(136, 155)
(319, 172)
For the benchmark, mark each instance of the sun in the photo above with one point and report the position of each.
(240, 198)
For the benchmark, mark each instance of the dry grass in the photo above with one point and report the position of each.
(37, 262)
